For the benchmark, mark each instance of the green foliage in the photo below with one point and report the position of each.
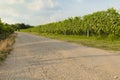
(111, 37)
(19, 26)
(101, 23)
(5, 30)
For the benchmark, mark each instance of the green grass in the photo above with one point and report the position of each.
(97, 42)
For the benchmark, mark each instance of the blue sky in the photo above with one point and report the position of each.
(35, 12)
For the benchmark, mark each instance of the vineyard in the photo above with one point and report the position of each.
(102, 23)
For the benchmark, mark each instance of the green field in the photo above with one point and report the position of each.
(100, 29)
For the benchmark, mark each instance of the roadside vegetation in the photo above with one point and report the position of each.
(7, 38)
(19, 26)
(100, 29)
(6, 46)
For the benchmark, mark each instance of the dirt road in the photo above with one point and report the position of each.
(38, 58)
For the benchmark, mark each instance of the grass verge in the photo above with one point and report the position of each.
(103, 43)
(6, 46)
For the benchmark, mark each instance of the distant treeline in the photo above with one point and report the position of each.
(19, 26)
(102, 23)
(7, 29)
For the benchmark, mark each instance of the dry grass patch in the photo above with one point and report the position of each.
(6, 46)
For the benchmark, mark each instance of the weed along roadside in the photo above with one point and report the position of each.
(6, 46)
(7, 39)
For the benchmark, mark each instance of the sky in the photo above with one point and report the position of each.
(36, 12)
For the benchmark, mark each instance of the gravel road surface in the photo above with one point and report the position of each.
(39, 58)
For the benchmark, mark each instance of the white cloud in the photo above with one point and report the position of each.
(28, 11)
(79, 0)
(55, 16)
(36, 5)
(43, 11)
(15, 1)
(52, 4)
(11, 1)
(9, 20)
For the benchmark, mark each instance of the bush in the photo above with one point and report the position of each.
(5, 30)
